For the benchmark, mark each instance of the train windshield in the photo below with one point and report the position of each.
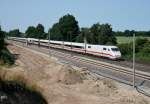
(114, 49)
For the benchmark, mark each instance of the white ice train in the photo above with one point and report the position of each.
(108, 51)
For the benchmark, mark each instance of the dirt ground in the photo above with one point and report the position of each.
(64, 84)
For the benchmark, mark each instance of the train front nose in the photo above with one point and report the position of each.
(117, 54)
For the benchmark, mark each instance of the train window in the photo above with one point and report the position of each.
(89, 46)
(114, 49)
(67, 45)
(104, 48)
(77, 46)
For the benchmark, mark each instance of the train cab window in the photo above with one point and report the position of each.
(114, 49)
(89, 46)
(104, 49)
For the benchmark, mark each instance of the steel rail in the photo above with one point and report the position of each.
(105, 66)
(98, 64)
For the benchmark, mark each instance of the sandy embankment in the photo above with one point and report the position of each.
(62, 84)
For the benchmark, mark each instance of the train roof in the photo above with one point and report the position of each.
(78, 44)
(68, 43)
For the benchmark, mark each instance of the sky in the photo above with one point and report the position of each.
(121, 14)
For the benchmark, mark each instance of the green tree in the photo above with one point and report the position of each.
(36, 32)
(103, 34)
(95, 31)
(15, 33)
(79, 38)
(118, 33)
(140, 43)
(127, 33)
(141, 33)
(55, 33)
(146, 50)
(68, 27)
(85, 34)
(148, 33)
(30, 32)
(40, 34)
(126, 49)
(131, 32)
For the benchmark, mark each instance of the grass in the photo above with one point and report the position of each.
(7, 75)
(123, 39)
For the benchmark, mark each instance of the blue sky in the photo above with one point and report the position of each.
(121, 14)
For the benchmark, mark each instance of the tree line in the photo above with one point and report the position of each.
(67, 29)
(129, 33)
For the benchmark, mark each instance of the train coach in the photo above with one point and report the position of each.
(108, 51)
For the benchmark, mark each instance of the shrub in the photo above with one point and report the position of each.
(144, 53)
(125, 48)
(140, 43)
(7, 57)
(142, 50)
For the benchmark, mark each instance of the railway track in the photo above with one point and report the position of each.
(99, 64)
(128, 64)
(138, 66)
(104, 65)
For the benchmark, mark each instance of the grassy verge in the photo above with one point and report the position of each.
(16, 76)
(124, 39)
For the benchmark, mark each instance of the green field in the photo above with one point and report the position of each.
(123, 39)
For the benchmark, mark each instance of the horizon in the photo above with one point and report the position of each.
(122, 15)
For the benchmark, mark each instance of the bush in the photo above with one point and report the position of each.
(125, 48)
(146, 49)
(7, 57)
(140, 43)
(142, 50)
(144, 53)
